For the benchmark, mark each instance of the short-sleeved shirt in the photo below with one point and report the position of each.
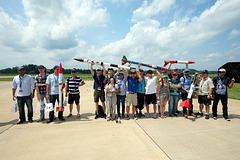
(73, 84)
(52, 79)
(122, 85)
(205, 85)
(112, 88)
(23, 86)
(40, 80)
(132, 84)
(141, 87)
(186, 82)
(173, 91)
(220, 85)
(170, 76)
(150, 85)
(98, 82)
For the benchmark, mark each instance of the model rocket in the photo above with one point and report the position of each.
(187, 103)
(179, 62)
(60, 75)
(102, 63)
(125, 60)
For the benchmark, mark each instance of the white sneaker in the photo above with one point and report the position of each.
(215, 118)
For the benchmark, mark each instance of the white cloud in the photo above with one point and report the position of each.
(148, 10)
(147, 41)
(233, 34)
(49, 31)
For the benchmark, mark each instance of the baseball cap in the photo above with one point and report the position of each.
(149, 71)
(164, 76)
(19, 68)
(163, 71)
(98, 69)
(56, 67)
(186, 70)
(132, 71)
(74, 70)
(221, 70)
(175, 73)
(40, 66)
(110, 69)
(205, 71)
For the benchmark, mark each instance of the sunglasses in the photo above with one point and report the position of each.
(74, 72)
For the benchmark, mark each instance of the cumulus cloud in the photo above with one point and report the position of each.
(50, 27)
(233, 34)
(148, 10)
(149, 42)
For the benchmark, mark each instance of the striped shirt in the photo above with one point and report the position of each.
(73, 84)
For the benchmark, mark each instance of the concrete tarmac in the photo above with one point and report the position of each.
(146, 138)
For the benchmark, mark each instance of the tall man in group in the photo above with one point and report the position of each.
(53, 92)
(25, 87)
(221, 83)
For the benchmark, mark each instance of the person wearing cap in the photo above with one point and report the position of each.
(151, 91)
(40, 82)
(140, 95)
(72, 91)
(121, 95)
(53, 92)
(25, 87)
(174, 85)
(131, 97)
(186, 84)
(98, 87)
(110, 74)
(221, 82)
(204, 94)
(163, 94)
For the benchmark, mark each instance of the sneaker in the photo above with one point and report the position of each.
(49, 121)
(192, 114)
(20, 122)
(171, 115)
(97, 116)
(128, 117)
(40, 119)
(135, 117)
(227, 119)
(215, 118)
(78, 115)
(177, 111)
(108, 119)
(69, 115)
(30, 121)
(141, 115)
(175, 115)
(185, 115)
(62, 119)
(198, 113)
(207, 116)
(155, 116)
(147, 115)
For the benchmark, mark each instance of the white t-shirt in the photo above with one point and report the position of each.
(150, 85)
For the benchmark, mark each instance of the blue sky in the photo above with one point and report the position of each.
(49, 32)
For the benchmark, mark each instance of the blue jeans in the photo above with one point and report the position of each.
(42, 115)
(53, 99)
(28, 101)
(173, 104)
(121, 98)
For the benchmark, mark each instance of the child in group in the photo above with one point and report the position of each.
(111, 98)
(163, 94)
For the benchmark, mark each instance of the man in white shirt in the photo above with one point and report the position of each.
(25, 87)
(151, 91)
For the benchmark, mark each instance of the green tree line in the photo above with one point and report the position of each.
(32, 69)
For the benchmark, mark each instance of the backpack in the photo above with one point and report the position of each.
(100, 111)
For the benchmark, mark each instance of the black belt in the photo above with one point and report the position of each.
(131, 92)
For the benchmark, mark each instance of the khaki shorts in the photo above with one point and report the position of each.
(131, 99)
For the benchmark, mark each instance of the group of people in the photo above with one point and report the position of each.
(132, 88)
